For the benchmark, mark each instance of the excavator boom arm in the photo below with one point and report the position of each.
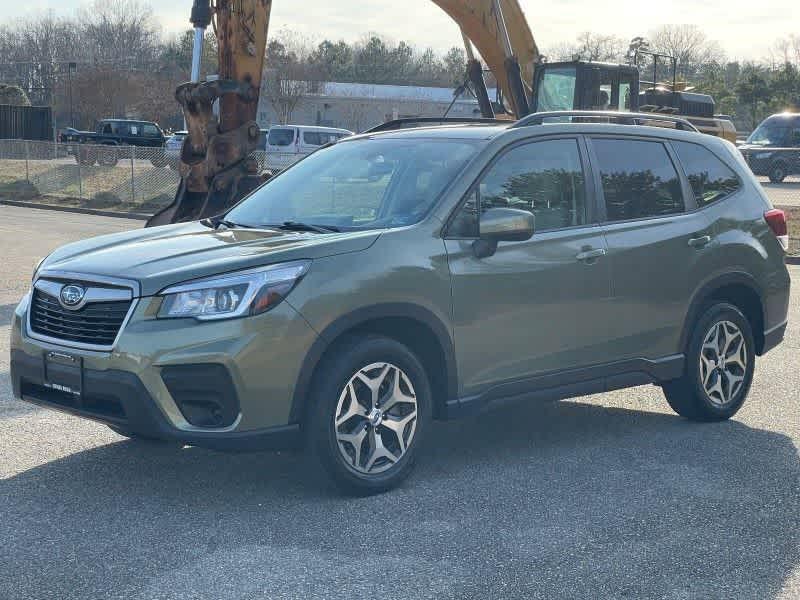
(480, 22)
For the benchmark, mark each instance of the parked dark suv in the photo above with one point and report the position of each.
(773, 149)
(395, 278)
(114, 135)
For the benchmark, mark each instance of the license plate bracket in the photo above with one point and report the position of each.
(63, 372)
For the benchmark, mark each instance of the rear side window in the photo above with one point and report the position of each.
(639, 179)
(314, 138)
(711, 179)
(281, 137)
(545, 178)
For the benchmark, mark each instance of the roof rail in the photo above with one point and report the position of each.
(623, 118)
(411, 122)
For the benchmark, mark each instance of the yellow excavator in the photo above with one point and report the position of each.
(216, 167)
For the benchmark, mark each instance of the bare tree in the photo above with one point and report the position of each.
(590, 46)
(288, 75)
(689, 45)
(787, 50)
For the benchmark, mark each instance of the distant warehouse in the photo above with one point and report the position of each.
(357, 106)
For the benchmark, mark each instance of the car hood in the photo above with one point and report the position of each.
(162, 256)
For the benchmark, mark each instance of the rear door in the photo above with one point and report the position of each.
(537, 306)
(656, 240)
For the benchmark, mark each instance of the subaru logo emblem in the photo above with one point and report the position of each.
(72, 295)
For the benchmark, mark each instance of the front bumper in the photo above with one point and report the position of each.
(133, 387)
(120, 399)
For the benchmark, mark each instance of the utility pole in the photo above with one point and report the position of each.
(70, 67)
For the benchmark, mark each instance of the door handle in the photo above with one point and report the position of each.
(588, 255)
(700, 242)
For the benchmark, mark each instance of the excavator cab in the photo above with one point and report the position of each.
(579, 85)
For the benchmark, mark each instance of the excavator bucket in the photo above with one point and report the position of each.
(216, 171)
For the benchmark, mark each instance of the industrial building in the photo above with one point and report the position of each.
(359, 106)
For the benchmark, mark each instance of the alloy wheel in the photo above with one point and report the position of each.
(723, 362)
(375, 418)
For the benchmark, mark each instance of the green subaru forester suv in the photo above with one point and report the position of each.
(400, 277)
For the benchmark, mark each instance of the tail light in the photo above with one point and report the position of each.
(776, 219)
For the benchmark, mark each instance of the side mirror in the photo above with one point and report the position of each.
(502, 225)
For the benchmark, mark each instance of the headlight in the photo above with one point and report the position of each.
(229, 296)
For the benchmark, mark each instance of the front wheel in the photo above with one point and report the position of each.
(719, 366)
(777, 172)
(372, 405)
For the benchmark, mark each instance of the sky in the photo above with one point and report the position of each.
(746, 29)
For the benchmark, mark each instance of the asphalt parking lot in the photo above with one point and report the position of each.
(786, 193)
(610, 496)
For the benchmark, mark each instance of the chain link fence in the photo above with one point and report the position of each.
(126, 178)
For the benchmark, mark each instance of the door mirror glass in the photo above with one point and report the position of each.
(506, 225)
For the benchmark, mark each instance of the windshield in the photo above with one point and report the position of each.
(556, 90)
(364, 184)
(771, 132)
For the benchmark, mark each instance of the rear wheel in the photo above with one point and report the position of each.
(719, 366)
(777, 172)
(108, 156)
(371, 407)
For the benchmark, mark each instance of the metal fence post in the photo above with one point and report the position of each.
(133, 176)
(27, 168)
(80, 179)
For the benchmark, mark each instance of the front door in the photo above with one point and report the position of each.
(540, 305)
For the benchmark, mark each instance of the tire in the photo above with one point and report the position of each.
(710, 389)
(349, 452)
(777, 172)
(159, 161)
(85, 156)
(107, 157)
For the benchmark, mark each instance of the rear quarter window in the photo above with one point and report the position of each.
(710, 178)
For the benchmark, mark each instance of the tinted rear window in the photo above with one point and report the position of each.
(711, 179)
(281, 137)
(639, 179)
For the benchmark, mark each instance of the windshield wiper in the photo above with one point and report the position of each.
(215, 222)
(297, 226)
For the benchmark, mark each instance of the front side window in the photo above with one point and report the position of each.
(557, 89)
(281, 136)
(638, 178)
(364, 184)
(710, 178)
(545, 178)
(149, 130)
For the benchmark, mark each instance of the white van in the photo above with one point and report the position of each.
(288, 143)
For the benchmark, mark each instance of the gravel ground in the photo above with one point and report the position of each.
(610, 496)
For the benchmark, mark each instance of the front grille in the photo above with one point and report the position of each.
(96, 323)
